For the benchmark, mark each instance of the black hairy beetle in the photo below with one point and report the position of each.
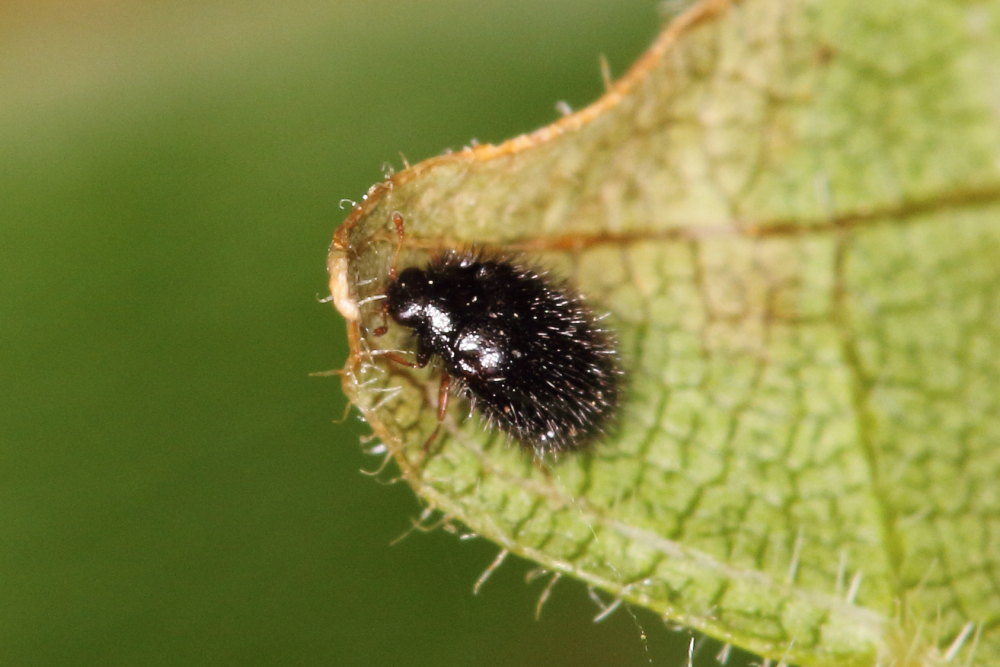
(526, 352)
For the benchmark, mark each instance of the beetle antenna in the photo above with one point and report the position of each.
(397, 221)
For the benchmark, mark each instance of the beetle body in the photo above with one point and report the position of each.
(525, 351)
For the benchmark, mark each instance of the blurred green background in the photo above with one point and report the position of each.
(174, 489)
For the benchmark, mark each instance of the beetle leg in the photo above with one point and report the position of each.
(441, 412)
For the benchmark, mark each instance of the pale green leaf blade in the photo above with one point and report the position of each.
(790, 210)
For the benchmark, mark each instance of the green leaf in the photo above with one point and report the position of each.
(790, 210)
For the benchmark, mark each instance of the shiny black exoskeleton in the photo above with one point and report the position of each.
(528, 354)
